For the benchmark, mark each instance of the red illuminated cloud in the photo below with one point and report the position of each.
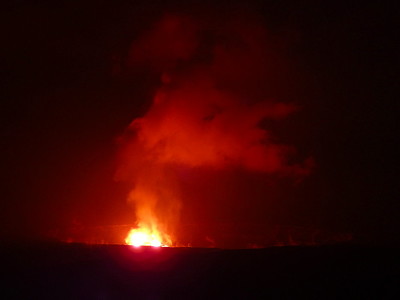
(199, 117)
(206, 113)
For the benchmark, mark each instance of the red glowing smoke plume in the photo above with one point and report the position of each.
(206, 113)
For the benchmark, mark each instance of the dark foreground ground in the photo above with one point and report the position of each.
(77, 271)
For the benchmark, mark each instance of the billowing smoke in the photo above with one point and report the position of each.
(207, 113)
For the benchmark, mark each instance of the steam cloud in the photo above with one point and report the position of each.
(206, 113)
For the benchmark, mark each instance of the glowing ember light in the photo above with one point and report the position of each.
(144, 237)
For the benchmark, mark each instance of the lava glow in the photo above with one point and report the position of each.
(144, 237)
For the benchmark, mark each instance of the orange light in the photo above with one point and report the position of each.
(144, 237)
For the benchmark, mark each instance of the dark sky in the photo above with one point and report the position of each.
(63, 109)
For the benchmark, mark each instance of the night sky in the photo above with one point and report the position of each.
(68, 94)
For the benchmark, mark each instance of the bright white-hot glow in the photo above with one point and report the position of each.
(143, 237)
